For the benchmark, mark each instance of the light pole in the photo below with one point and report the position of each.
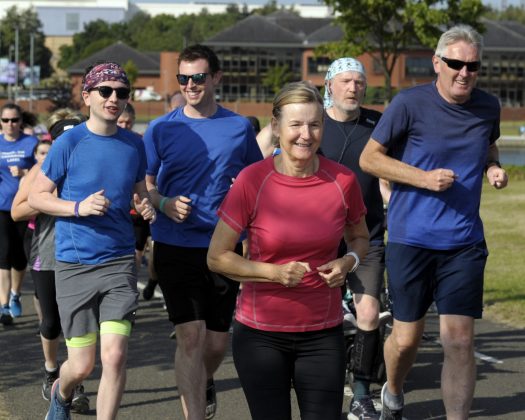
(31, 69)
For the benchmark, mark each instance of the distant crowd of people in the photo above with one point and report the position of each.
(259, 229)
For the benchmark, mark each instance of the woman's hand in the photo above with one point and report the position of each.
(291, 274)
(334, 272)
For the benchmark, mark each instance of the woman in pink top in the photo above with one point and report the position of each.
(296, 207)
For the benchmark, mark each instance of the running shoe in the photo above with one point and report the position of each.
(363, 409)
(211, 399)
(58, 411)
(80, 402)
(149, 290)
(5, 315)
(15, 305)
(388, 413)
(47, 384)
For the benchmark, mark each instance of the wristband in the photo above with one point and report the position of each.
(357, 260)
(162, 203)
(77, 205)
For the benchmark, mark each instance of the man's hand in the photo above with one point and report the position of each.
(94, 205)
(291, 274)
(178, 208)
(439, 179)
(144, 208)
(497, 177)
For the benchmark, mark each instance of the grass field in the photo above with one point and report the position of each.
(504, 220)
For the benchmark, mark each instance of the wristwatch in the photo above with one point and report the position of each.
(357, 260)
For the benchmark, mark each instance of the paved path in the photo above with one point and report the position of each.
(151, 391)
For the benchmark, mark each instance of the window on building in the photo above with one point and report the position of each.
(72, 21)
(419, 67)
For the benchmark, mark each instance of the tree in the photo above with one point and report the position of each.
(385, 28)
(276, 77)
(60, 92)
(131, 71)
(28, 23)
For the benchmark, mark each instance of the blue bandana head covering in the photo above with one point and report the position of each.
(340, 66)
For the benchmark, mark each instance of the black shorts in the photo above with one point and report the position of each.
(191, 291)
(141, 228)
(12, 254)
(451, 278)
(369, 278)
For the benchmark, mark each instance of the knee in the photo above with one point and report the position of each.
(80, 370)
(190, 339)
(457, 342)
(404, 344)
(49, 329)
(114, 358)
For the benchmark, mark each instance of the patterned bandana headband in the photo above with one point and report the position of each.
(340, 66)
(103, 73)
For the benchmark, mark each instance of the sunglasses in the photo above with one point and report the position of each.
(107, 91)
(13, 120)
(198, 78)
(472, 66)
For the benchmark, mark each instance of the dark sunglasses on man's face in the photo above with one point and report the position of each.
(198, 78)
(107, 91)
(472, 66)
(13, 120)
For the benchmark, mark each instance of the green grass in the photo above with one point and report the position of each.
(511, 128)
(504, 222)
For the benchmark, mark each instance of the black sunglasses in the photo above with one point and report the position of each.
(13, 120)
(198, 78)
(472, 66)
(107, 91)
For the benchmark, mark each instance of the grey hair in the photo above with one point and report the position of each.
(460, 33)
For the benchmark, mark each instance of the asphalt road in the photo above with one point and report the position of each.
(151, 391)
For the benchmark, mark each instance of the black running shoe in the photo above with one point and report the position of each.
(211, 400)
(80, 402)
(47, 384)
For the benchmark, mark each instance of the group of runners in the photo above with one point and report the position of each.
(310, 216)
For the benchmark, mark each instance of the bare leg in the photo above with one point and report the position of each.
(400, 352)
(214, 351)
(114, 353)
(367, 309)
(458, 376)
(190, 370)
(50, 348)
(16, 280)
(76, 368)
(5, 286)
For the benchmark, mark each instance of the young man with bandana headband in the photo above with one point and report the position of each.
(98, 170)
(347, 128)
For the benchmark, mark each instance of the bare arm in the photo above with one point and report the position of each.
(176, 208)
(222, 259)
(264, 140)
(375, 161)
(357, 240)
(21, 210)
(496, 176)
(42, 199)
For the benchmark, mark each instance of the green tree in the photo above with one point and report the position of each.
(28, 23)
(60, 92)
(276, 77)
(514, 13)
(131, 71)
(385, 28)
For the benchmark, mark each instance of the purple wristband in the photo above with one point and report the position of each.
(77, 205)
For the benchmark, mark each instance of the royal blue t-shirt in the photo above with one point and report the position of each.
(81, 163)
(14, 153)
(197, 158)
(421, 129)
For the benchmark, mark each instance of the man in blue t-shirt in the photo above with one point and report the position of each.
(435, 142)
(98, 169)
(194, 152)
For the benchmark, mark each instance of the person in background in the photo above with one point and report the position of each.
(16, 158)
(347, 129)
(98, 169)
(296, 207)
(127, 118)
(175, 100)
(193, 154)
(435, 142)
(42, 261)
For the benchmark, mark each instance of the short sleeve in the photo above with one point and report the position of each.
(393, 125)
(55, 164)
(237, 207)
(150, 143)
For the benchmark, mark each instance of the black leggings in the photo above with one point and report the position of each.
(46, 293)
(269, 362)
(12, 233)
